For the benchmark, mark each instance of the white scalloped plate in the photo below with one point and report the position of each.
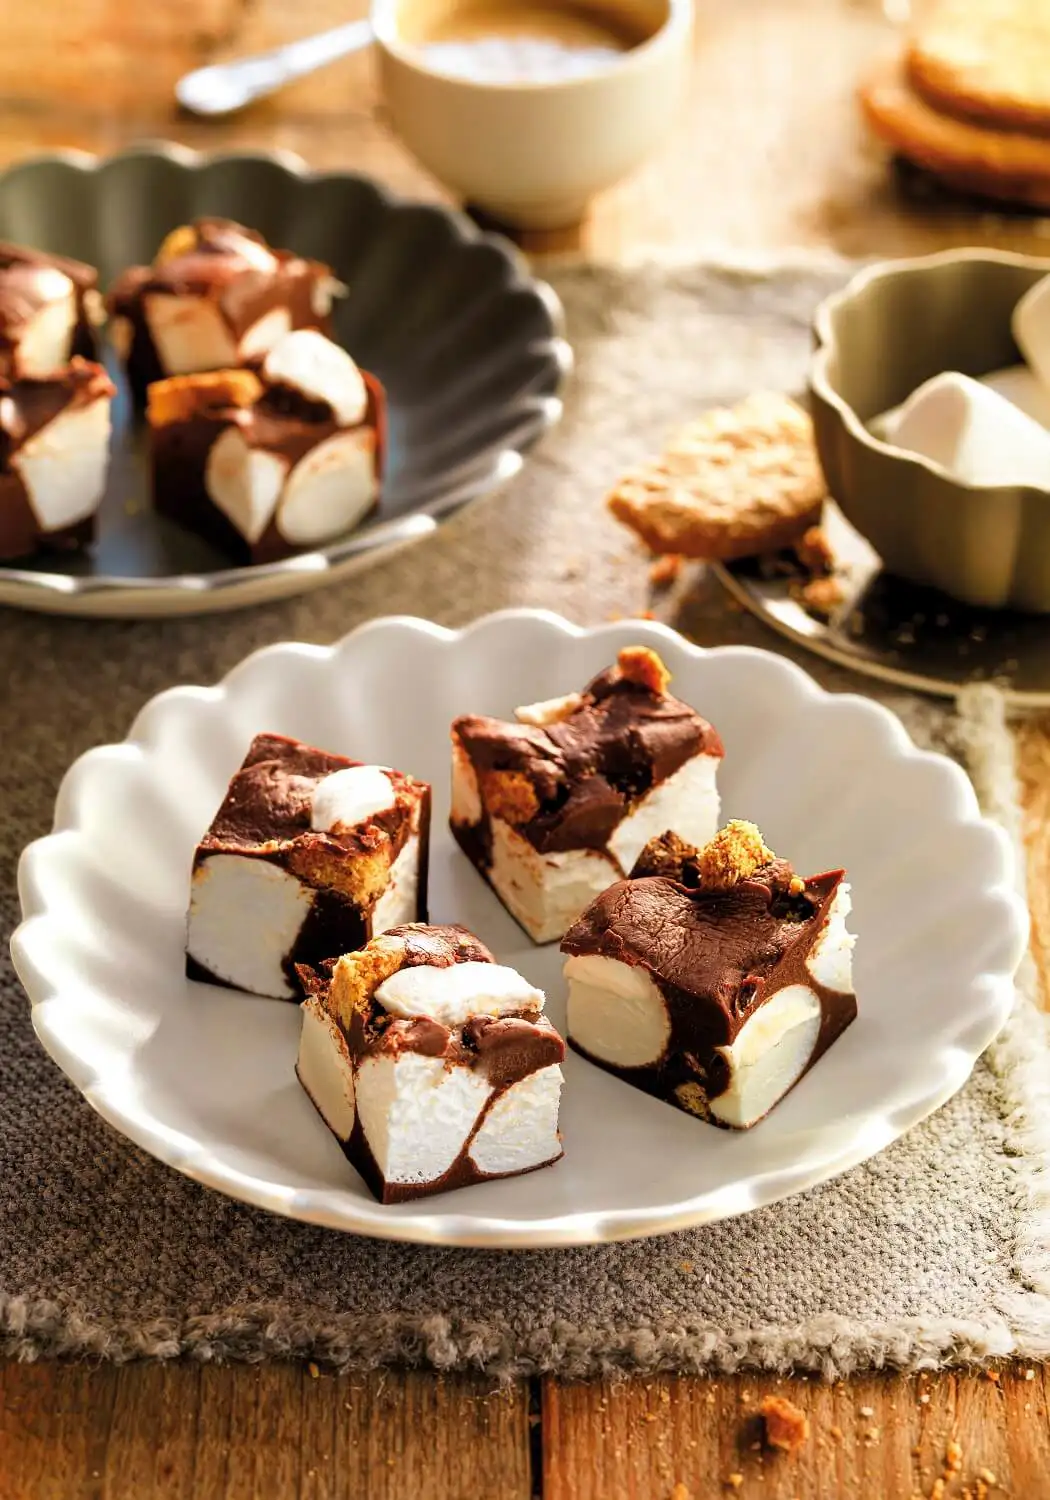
(203, 1078)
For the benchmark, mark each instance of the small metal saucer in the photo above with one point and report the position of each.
(901, 632)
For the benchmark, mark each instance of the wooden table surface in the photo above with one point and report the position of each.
(768, 154)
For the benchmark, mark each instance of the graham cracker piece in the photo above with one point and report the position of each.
(182, 397)
(969, 157)
(737, 482)
(985, 60)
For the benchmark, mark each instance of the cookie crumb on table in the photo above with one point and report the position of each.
(787, 1426)
(821, 596)
(665, 569)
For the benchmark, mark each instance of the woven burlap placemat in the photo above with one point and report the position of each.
(934, 1251)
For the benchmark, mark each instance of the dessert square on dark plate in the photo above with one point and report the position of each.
(465, 341)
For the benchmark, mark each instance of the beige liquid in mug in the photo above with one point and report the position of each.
(526, 42)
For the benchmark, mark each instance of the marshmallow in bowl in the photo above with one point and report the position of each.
(713, 978)
(309, 856)
(973, 432)
(265, 461)
(318, 370)
(1030, 325)
(553, 808)
(432, 1065)
(54, 456)
(217, 295)
(49, 306)
(1023, 390)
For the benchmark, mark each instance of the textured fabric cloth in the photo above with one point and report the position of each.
(932, 1252)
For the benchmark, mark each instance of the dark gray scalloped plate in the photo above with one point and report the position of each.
(901, 632)
(467, 342)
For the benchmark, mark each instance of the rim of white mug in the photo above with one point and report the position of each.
(677, 23)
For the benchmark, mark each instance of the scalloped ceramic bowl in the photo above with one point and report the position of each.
(894, 326)
(203, 1078)
(467, 342)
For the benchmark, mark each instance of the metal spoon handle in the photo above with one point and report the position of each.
(221, 88)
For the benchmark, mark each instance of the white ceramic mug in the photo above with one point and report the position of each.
(533, 154)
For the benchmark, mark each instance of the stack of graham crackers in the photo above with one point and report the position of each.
(969, 100)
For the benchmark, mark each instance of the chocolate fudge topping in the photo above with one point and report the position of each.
(266, 814)
(24, 291)
(230, 264)
(268, 804)
(281, 421)
(715, 955)
(439, 946)
(504, 1049)
(710, 951)
(27, 406)
(588, 769)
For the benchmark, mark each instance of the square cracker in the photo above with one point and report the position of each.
(737, 482)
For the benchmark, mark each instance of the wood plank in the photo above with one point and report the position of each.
(183, 1431)
(1033, 769)
(882, 1436)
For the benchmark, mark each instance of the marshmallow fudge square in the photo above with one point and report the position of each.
(216, 296)
(262, 463)
(554, 808)
(714, 978)
(49, 309)
(54, 457)
(432, 1065)
(309, 856)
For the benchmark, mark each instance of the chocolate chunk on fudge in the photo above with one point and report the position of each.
(54, 456)
(432, 1065)
(49, 309)
(265, 462)
(309, 856)
(553, 809)
(714, 978)
(216, 296)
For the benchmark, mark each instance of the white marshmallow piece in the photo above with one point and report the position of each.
(330, 489)
(63, 466)
(1030, 325)
(770, 1054)
(323, 293)
(545, 892)
(264, 333)
(325, 1070)
(349, 797)
(245, 917)
(1021, 389)
(189, 333)
(550, 711)
(416, 1114)
(520, 1131)
(830, 960)
(454, 994)
(616, 1012)
(322, 371)
(686, 802)
(48, 336)
(399, 903)
(244, 482)
(972, 432)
